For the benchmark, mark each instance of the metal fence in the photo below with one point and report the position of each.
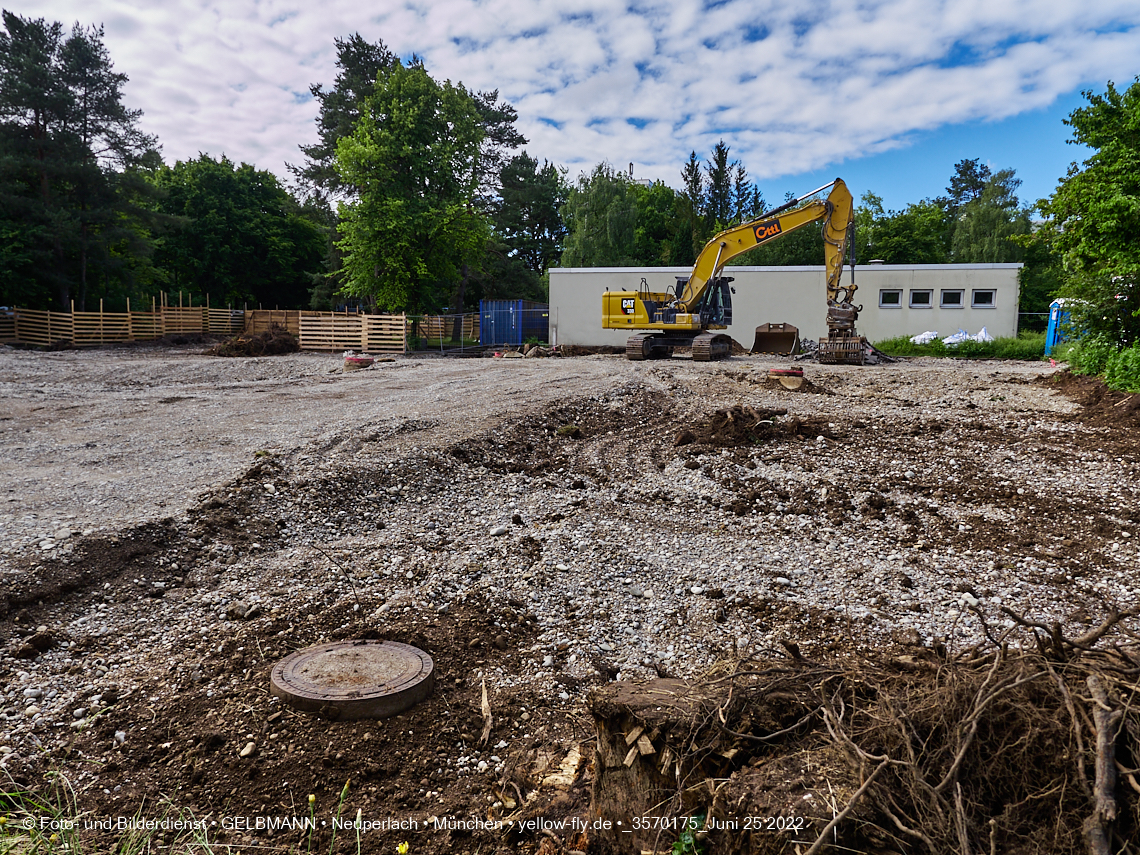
(444, 333)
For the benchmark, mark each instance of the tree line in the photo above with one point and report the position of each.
(419, 195)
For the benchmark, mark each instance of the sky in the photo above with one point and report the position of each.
(887, 94)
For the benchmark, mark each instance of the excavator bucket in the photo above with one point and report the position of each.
(776, 339)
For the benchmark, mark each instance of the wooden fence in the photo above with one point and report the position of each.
(85, 329)
(326, 331)
(363, 333)
(260, 320)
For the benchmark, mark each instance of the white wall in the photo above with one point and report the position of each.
(797, 295)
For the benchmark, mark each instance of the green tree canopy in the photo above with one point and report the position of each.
(916, 235)
(361, 65)
(70, 151)
(1094, 216)
(525, 214)
(414, 160)
(601, 217)
(986, 226)
(661, 235)
(239, 235)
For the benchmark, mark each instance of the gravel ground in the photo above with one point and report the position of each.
(176, 522)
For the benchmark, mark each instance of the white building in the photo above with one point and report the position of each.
(897, 299)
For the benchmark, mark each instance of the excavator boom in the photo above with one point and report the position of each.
(703, 301)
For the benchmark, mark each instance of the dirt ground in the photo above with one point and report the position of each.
(177, 523)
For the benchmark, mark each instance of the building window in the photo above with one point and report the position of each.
(890, 298)
(921, 299)
(952, 299)
(986, 299)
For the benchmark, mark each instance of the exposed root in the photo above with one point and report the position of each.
(989, 751)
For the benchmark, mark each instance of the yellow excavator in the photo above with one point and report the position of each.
(702, 301)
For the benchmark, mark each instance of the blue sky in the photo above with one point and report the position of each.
(887, 94)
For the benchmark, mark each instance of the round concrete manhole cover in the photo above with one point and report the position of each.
(353, 679)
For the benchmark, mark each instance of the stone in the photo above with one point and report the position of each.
(80, 712)
(43, 641)
(499, 531)
(247, 750)
(237, 610)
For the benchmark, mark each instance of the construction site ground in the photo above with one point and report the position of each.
(172, 524)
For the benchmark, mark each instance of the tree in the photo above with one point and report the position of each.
(359, 62)
(239, 235)
(69, 149)
(916, 235)
(693, 204)
(525, 214)
(718, 207)
(661, 237)
(362, 65)
(967, 183)
(1094, 215)
(985, 226)
(747, 200)
(601, 216)
(413, 159)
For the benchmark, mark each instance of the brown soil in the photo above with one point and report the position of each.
(743, 426)
(1101, 406)
(639, 430)
(273, 342)
(582, 350)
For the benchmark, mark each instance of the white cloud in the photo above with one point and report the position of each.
(829, 82)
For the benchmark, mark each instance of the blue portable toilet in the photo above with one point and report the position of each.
(1055, 333)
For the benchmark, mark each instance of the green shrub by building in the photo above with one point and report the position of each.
(1028, 345)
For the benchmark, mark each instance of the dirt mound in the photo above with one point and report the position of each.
(274, 341)
(994, 750)
(582, 350)
(1103, 407)
(741, 425)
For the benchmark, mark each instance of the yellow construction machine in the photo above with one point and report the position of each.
(702, 301)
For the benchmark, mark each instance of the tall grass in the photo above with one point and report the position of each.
(1026, 346)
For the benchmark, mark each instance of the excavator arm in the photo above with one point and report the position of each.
(837, 213)
(687, 315)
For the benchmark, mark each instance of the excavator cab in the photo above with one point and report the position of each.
(716, 307)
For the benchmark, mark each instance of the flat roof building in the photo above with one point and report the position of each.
(897, 299)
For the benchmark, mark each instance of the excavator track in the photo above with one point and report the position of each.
(647, 346)
(710, 346)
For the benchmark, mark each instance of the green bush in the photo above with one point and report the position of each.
(1090, 355)
(1122, 370)
(1027, 346)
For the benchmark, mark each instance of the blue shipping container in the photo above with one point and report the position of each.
(512, 322)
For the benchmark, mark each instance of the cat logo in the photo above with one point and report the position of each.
(767, 230)
(627, 304)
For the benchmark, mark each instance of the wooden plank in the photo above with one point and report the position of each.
(43, 329)
(146, 326)
(8, 327)
(331, 332)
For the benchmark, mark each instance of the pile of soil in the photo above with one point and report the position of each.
(741, 426)
(273, 342)
(582, 350)
(1103, 407)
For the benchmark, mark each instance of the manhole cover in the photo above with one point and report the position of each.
(353, 679)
